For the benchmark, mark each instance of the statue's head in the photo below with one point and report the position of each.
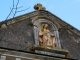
(45, 25)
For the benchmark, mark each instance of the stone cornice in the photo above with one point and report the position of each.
(19, 18)
(44, 14)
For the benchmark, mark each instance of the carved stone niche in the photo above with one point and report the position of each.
(52, 28)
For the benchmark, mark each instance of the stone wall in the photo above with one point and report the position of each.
(17, 36)
(70, 41)
(16, 55)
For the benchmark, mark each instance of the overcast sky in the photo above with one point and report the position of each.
(67, 10)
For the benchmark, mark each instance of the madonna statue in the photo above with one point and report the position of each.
(46, 38)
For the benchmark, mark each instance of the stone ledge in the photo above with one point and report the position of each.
(52, 50)
(18, 54)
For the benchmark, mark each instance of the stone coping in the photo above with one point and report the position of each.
(24, 54)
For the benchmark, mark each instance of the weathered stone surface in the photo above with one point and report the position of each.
(19, 33)
(3, 26)
(12, 55)
(17, 36)
(68, 41)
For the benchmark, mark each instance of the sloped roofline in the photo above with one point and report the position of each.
(35, 13)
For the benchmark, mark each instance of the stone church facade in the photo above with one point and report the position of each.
(20, 39)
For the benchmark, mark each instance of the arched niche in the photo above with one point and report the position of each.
(52, 27)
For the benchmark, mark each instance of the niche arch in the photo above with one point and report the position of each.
(52, 27)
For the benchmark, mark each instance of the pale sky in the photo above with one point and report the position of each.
(67, 10)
